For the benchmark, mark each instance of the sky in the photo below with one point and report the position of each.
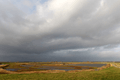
(59, 30)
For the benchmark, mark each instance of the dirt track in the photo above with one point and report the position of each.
(115, 66)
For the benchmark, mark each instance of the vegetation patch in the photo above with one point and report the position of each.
(35, 68)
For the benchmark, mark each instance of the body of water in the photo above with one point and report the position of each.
(91, 65)
(58, 68)
(13, 69)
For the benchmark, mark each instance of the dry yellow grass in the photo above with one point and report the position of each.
(2, 66)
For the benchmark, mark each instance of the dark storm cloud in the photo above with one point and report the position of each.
(59, 25)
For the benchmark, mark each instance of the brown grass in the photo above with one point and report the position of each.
(103, 67)
(5, 65)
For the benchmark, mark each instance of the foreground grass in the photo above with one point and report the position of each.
(111, 73)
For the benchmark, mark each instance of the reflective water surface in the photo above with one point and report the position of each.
(91, 65)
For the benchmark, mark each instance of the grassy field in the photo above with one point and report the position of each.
(111, 73)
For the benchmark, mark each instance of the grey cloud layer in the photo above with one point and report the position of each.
(59, 25)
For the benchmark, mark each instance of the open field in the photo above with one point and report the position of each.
(111, 73)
